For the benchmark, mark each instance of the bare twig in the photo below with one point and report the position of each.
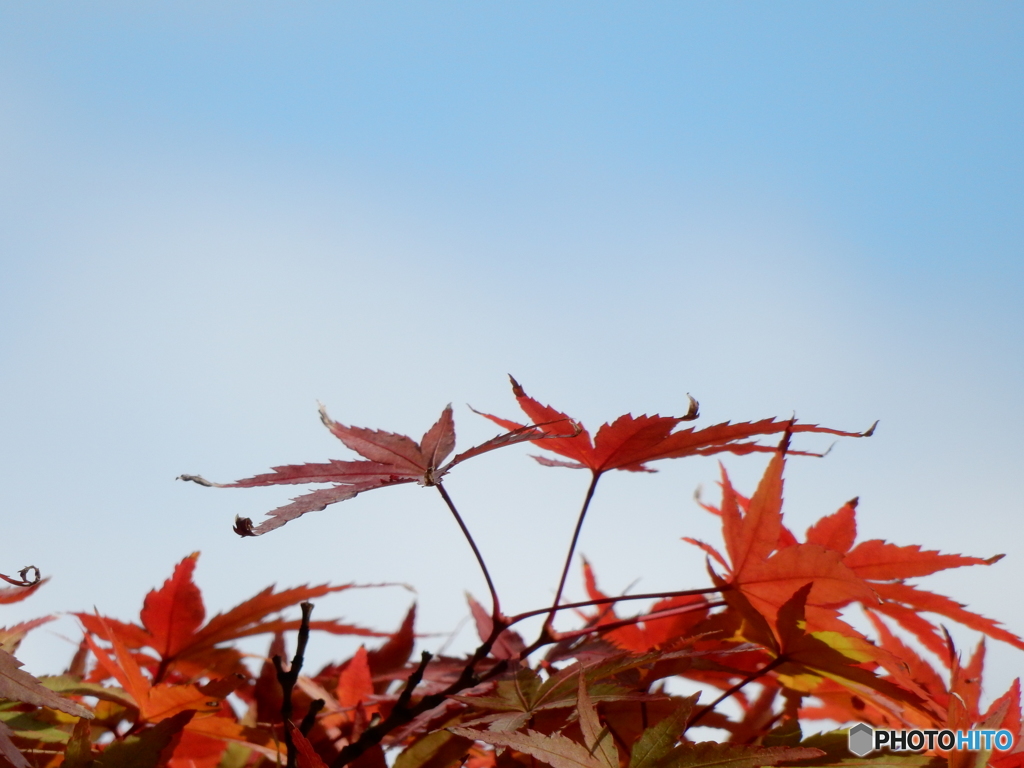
(414, 679)
(404, 711)
(287, 681)
(741, 684)
(307, 722)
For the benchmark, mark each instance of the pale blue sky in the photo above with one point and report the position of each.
(213, 217)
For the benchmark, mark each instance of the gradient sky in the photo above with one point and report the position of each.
(212, 217)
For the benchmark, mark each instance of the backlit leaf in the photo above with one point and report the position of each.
(151, 748)
(630, 442)
(658, 740)
(174, 612)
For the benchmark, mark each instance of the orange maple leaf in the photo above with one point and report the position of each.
(172, 624)
(355, 685)
(766, 567)
(768, 564)
(155, 702)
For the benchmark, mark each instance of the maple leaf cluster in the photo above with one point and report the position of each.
(770, 632)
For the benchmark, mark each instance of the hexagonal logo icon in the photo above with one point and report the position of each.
(860, 739)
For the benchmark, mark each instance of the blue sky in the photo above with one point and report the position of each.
(213, 217)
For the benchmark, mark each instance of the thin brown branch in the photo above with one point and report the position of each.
(495, 604)
(414, 679)
(546, 629)
(622, 598)
(404, 711)
(287, 681)
(637, 619)
(739, 686)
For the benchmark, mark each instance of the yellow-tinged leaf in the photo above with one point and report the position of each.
(851, 647)
(598, 739)
(555, 750)
(78, 753)
(440, 749)
(656, 742)
(165, 700)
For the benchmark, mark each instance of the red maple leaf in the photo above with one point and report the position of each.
(391, 459)
(661, 625)
(307, 756)
(630, 442)
(1005, 714)
(17, 594)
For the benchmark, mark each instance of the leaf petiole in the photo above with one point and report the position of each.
(495, 604)
(736, 688)
(546, 629)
